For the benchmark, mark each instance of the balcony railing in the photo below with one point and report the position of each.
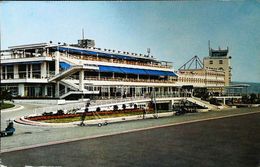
(111, 60)
(129, 80)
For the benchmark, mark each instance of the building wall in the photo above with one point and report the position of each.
(202, 78)
(219, 63)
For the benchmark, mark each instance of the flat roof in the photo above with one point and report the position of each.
(36, 45)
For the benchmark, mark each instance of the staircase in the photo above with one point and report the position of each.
(202, 103)
(73, 69)
(70, 84)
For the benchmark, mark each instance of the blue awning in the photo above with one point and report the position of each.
(133, 71)
(170, 73)
(136, 71)
(110, 69)
(64, 65)
(161, 73)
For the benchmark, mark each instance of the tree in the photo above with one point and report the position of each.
(245, 99)
(253, 98)
(5, 94)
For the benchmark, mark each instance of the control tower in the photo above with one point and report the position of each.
(219, 60)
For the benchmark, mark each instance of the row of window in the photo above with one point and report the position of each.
(197, 80)
(220, 62)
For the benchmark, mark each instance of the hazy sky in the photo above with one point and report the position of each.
(175, 31)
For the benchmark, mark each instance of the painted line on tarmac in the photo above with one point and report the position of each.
(15, 108)
(122, 132)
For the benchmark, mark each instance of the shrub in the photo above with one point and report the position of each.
(98, 109)
(135, 106)
(115, 107)
(124, 106)
(60, 112)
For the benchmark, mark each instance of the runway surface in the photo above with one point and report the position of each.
(233, 141)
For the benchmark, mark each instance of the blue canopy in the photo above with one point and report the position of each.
(64, 65)
(133, 71)
(136, 71)
(110, 69)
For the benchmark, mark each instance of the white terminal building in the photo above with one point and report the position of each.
(73, 71)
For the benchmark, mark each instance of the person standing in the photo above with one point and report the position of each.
(83, 116)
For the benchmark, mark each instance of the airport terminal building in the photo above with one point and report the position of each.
(72, 71)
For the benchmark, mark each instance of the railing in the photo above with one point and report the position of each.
(111, 60)
(65, 108)
(25, 75)
(12, 56)
(129, 80)
(129, 99)
(120, 100)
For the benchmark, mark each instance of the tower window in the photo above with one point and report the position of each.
(220, 61)
(211, 62)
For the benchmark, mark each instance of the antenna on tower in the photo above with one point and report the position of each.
(209, 47)
(148, 51)
(209, 44)
(83, 33)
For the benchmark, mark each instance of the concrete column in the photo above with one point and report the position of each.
(66, 89)
(31, 71)
(45, 90)
(16, 76)
(57, 89)
(171, 103)
(81, 79)
(57, 62)
(122, 92)
(108, 92)
(44, 53)
(5, 72)
(21, 89)
(47, 69)
(27, 71)
(43, 70)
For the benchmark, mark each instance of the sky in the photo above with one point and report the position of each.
(174, 30)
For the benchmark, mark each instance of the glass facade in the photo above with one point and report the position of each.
(33, 90)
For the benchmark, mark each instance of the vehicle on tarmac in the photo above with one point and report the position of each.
(9, 130)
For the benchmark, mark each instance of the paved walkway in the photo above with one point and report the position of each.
(33, 135)
(15, 108)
